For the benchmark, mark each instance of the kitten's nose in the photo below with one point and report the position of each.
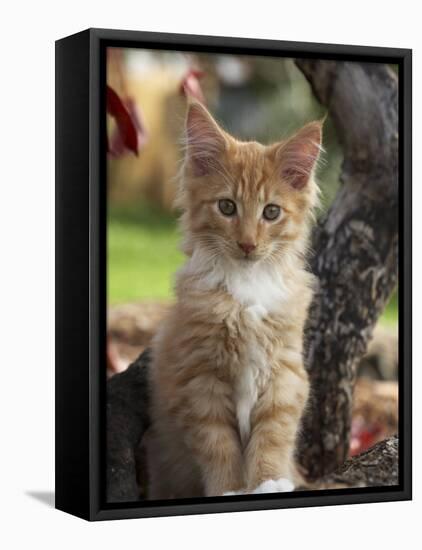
(246, 247)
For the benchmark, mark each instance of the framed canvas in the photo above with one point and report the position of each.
(256, 353)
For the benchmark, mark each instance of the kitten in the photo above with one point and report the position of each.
(227, 379)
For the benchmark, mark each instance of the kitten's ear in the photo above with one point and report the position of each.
(297, 156)
(205, 139)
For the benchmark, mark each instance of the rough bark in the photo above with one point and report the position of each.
(127, 420)
(355, 249)
(376, 467)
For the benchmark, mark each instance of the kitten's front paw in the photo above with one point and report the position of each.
(233, 493)
(281, 485)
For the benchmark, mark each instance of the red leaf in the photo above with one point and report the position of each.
(363, 435)
(125, 123)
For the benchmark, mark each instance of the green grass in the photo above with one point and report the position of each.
(143, 255)
(391, 312)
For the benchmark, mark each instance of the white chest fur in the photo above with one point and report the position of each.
(259, 289)
(251, 378)
(258, 286)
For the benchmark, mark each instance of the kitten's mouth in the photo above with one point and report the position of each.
(247, 258)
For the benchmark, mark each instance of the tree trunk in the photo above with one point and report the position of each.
(355, 250)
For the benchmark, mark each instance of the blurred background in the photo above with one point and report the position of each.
(259, 98)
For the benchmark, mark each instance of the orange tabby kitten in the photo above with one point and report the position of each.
(227, 380)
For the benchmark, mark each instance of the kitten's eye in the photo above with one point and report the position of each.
(227, 207)
(271, 212)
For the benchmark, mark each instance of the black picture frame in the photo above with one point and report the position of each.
(80, 272)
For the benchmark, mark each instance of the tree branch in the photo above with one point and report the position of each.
(127, 421)
(355, 249)
(376, 467)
